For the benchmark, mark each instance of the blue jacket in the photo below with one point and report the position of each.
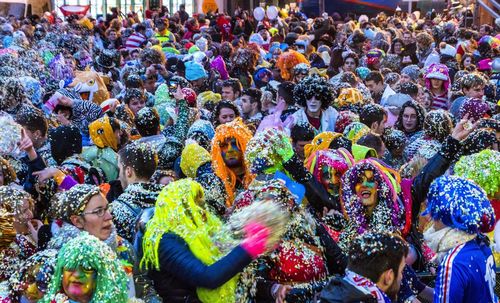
(181, 272)
(467, 274)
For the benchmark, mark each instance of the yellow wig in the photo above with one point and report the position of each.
(180, 210)
(238, 130)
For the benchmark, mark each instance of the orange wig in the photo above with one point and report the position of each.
(287, 61)
(238, 130)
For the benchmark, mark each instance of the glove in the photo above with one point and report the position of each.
(256, 236)
(285, 148)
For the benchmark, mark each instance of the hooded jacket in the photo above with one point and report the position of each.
(129, 205)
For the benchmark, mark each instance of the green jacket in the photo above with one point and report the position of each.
(104, 158)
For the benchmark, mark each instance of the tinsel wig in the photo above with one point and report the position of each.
(388, 213)
(313, 86)
(238, 130)
(88, 252)
(180, 210)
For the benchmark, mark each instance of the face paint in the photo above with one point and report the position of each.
(32, 291)
(366, 190)
(232, 155)
(330, 179)
(79, 284)
(314, 105)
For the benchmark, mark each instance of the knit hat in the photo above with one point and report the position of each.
(446, 49)
(476, 108)
(219, 64)
(412, 71)
(193, 156)
(362, 72)
(437, 71)
(73, 201)
(194, 71)
(102, 133)
(355, 131)
(460, 203)
(345, 118)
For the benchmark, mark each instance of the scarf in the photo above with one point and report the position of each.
(443, 240)
(366, 286)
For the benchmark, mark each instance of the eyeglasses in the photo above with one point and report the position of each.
(99, 211)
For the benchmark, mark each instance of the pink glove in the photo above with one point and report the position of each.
(256, 236)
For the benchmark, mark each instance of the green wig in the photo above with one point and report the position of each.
(88, 252)
(483, 168)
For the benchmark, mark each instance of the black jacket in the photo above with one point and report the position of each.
(181, 272)
(129, 205)
(339, 290)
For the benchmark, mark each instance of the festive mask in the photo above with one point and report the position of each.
(79, 284)
(34, 286)
(366, 189)
(32, 280)
(330, 179)
(231, 153)
(313, 105)
(91, 86)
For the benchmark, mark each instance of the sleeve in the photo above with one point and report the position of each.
(181, 126)
(436, 167)
(450, 281)
(335, 259)
(177, 258)
(85, 110)
(33, 166)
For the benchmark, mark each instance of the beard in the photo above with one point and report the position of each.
(377, 96)
(392, 291)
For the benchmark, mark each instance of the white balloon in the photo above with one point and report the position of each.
(259, 13)
(272, 12)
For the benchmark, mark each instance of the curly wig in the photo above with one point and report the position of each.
(313, 86)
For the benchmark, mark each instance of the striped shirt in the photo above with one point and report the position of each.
(136, 40)
(440, 102)
(466, 274)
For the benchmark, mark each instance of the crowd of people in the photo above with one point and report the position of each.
(249, 157)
